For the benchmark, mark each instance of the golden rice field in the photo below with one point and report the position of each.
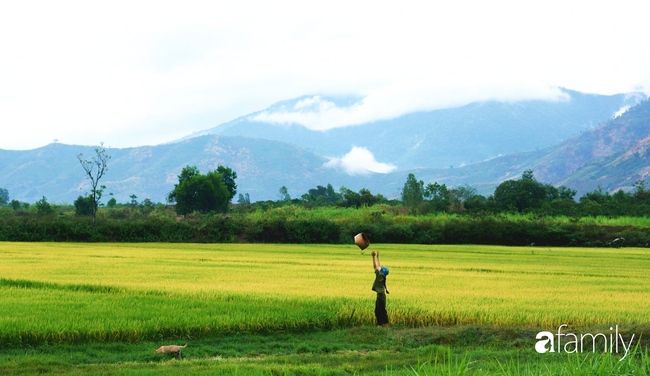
(63, 292)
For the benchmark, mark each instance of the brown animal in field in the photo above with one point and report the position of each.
(170, 349)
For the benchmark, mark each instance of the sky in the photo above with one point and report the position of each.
(132, 73)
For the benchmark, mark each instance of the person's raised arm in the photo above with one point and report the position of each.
(374, 264)
(378, 262)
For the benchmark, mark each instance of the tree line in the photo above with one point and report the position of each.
(214, 191)
(203, 199)
(525, 195)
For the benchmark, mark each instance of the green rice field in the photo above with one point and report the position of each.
(64, 294)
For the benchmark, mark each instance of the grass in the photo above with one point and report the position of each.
(463, 350)
(398, 215)
(126, 292)
(275, 309)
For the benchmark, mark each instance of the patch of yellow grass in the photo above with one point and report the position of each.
(428, 284)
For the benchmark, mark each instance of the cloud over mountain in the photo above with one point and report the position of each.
(395, 100)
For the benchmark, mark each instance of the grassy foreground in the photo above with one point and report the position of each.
(103, 308)
(465, 350)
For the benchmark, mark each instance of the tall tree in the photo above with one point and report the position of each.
(228, 177)
(322, 194)
(366, 197)
(95, 169)
(351, 197)
(317, 192)
(463, 195)
(640, 192)
(84, 205)
(439, 197)
(522, 194)
(283, 194)
(4, 196)
(198, 192)
(43, 207)
(331, 195)
(244, 199)
(413, 191)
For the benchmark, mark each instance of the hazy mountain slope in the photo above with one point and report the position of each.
(622, 146)
(262, 167)
(455, 136)
(612, 156)
(51, 171)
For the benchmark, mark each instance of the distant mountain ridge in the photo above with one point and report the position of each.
(612, 155)
(442, 138)
(262, 167)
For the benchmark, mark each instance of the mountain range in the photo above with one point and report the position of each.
(442, 138)
(582, 141)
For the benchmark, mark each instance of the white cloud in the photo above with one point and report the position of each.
(312, 102)
(399, 99)
(359, 161)
(140, 72)
(621, 111)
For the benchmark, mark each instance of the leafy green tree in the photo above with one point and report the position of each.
(640, 192)
(198, 192)
(84, 205)
(528, 175)
(363, 198)
(352, 198)
(15, 204)
(552, 193)
(460, 197)
(283, 194)
(95, 169)
(4, 196)
(134, 201)
(476, 202)
(228, 178)
(317, 192)
(244, 199)
(111, 203)
(330, 194)
(322, 195)
(413, 192)
(464, 192)
(566, 193)
(521, 194)
(438, 196)
(366, 198)
(147, 206)
(43, 207)
(597, 196)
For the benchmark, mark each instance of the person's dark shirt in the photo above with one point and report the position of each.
(380, 283)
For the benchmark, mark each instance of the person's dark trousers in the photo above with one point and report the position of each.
(380, 309)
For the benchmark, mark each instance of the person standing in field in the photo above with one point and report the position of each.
(380, 288)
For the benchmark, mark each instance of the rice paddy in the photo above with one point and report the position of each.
(71, 293)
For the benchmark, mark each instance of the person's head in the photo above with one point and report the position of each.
(384, 271)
